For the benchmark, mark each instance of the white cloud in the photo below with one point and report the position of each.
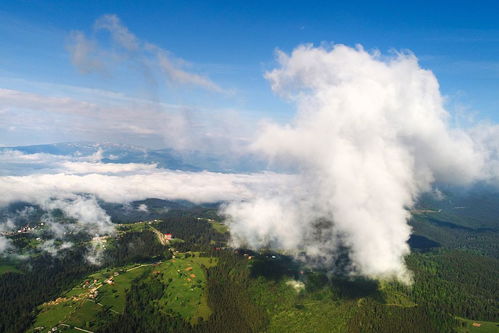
(162, 184)
(110, 168)
(48, 177)
(14, 162)
(52, 248)
(143, 208)
(84, 209)
(486, 138)
(371, 134)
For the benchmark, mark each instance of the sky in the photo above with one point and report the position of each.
(231, 44)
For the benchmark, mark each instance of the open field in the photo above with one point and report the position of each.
(485, 326)
(186, 286)
(290, 310)
(137, 226)
(114, 295)
(220, 227)
(103, 294)
(8, 268)
(81, 305)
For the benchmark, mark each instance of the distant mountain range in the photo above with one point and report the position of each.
(164, 158)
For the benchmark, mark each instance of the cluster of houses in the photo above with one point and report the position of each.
(174, 252)
(93, 293)
(94, 285)
(187, 274)
(102, 239)
(110, 280)
(93, 288)
(24, 229)
(150, 222)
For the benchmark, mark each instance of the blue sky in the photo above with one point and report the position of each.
(233, 43)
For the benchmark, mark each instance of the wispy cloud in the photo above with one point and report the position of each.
(83, 53)
(175, 74)
(88, 56)
(24, 100)
(119, 117)
(119, 32)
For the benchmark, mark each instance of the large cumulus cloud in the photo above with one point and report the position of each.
(370, 135)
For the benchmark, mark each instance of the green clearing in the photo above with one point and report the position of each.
(134, 227)
(290, 310)
(85, 315)
(52, 315)
(8, 268)
(98, 278)
(186, 291)
(391, 296)
(114, 295)
(219, 227)
(78, 308)
(85, 305)
(8, 265)
(485, 326)
(66, 314)
(312, 316)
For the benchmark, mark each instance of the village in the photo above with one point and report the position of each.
(22, 230)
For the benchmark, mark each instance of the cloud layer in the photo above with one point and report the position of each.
(197, 187)
(73, 186)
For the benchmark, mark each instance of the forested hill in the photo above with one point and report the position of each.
(194, 282)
